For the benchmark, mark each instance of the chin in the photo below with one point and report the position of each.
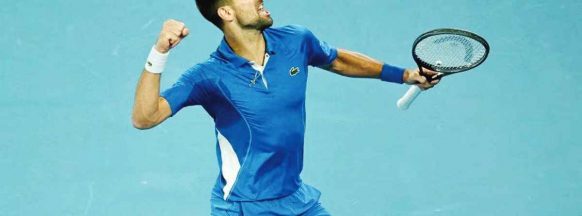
(264, 24)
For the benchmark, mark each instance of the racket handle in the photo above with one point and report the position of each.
(404, 102)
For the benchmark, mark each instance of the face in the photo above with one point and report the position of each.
(252, 14)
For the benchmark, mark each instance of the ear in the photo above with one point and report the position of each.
(226, 13)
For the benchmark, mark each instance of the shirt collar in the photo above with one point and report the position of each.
(225, 52)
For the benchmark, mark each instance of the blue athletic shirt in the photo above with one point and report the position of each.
(259, 129)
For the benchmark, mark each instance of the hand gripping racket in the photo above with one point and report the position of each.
(446, 51)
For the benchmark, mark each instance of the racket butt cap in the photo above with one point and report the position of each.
(404, 102)
(402, 105)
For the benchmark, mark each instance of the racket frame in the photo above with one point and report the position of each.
(406, 100)
(421, 64)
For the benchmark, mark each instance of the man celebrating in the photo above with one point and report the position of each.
(253, 87)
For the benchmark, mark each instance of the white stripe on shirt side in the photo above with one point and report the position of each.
(250, 134)
(230, 164)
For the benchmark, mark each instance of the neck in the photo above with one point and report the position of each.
(249, 44)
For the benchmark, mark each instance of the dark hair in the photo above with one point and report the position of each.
(208, 10)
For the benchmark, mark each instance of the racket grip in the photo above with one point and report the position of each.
(404, 102)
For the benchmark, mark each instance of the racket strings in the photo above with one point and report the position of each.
(447, 52)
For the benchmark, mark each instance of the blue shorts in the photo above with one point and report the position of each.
(304, 201)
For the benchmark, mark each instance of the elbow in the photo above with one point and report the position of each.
(140, 123)
(337, 66)
(340, 69)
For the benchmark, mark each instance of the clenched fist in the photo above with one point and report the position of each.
(172, 33)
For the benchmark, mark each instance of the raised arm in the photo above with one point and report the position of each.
(353, 64)
(149, 108)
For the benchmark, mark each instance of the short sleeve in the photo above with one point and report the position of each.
(186, 91)
(319, 52)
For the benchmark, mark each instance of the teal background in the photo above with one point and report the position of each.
(503, 139)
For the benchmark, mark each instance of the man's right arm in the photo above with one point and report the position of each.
(149, 108)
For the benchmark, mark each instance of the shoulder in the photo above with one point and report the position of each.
(290, 30)
(197, 72)
(207, 67)
(194, 71)
(293, 29)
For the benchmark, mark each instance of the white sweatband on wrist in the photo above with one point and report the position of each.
(156, 61)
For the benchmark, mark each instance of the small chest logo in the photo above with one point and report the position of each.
(294, 71)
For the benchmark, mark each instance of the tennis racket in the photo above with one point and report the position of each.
(446, 51)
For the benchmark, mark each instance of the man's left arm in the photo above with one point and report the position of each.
(353, 64)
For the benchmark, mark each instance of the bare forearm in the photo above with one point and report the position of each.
(149, 108)
(147, 100)
(354, 64)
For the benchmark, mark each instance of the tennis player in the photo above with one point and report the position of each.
(253, 86)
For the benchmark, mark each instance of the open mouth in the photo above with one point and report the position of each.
(263, 11)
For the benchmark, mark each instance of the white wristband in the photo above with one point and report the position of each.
(156, 61)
